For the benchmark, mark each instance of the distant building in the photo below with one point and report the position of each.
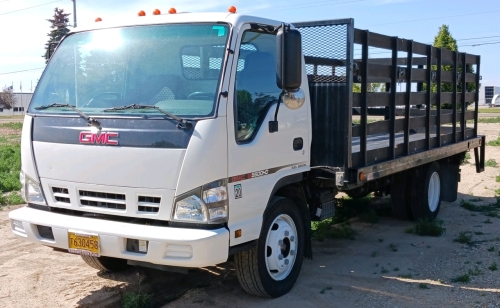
(489, 93)
(22, 102)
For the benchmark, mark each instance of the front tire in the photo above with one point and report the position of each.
(426, 195)
(107, 264)
(271, 268)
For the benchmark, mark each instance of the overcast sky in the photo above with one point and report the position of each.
(24, 27)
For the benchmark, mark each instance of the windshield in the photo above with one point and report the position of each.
(175, 67)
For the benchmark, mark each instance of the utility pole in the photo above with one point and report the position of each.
(74, 13)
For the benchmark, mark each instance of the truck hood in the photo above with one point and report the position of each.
(126, 152)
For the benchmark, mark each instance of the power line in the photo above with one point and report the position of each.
(30, 7)
(476, 38)
(31, 69)
(433, 18)
(479, 44)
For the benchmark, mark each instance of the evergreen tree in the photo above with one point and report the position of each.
(59, 26)
(444, 39)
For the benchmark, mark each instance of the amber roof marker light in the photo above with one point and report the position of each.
(172, 11)
(157, 12)
(141, 13)
(98, 19)
(232, 9)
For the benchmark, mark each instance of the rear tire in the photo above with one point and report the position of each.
(400, 195)
(107, 264)
(271, 268)
(426, 193)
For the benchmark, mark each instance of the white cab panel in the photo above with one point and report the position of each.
(106, 165)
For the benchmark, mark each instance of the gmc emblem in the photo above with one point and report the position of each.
(98, 138)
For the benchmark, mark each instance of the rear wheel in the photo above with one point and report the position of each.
(271, 268)
(426, 194)
(400, 195)
(107, 264)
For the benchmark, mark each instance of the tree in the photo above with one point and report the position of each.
(59, 26)
(7, 98)
(444, 39)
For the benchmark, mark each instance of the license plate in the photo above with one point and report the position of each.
(83, 243)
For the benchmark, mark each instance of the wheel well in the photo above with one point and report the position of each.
(291, 187)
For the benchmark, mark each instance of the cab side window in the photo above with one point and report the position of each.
(256, 88)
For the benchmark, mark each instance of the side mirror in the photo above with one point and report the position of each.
(288, 58)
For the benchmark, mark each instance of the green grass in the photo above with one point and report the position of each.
(488, 110)
(491, 163)
(494, 143)
(384, 270)
(492, 248)
(493, 267)
(12, 125)
(464, 237)
(475, 272)
(11, 199)
(465, 278)
(326, 229)
(497, 178)
(488, 209)
(427, 227)
(393, 248)
(137, 300)
(10, 166)
(487, 120)
(423, 286)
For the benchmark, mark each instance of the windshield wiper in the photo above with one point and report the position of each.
(181, 123)
(90, 121)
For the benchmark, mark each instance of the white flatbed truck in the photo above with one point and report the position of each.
(181, 140)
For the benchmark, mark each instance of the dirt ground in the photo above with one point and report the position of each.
(382, 267)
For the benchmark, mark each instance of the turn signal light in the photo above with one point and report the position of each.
(362, 176)
(141, 13)
(172, 10)
(98, 19)
(232, 9)
(156, 12)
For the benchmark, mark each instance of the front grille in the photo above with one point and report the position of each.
(61, 194)
(102, 199)
(148, 204)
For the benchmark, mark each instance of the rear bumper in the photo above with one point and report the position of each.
(167, 246)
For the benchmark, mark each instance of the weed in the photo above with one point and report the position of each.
(465, 278)
(407, 276)
(491, 163)
(497, 178)
(423, 286)
(475, 200)
(427, 227)
(396, 269)
(487, 221)
(137, 300)
(380, 240)
(478, 233)
(475, 272)
(464, 237)
(493, 267)
(325, 229)
(467, 155)
(376, 264)
(374, 254)
(466, 262)
(384, 271)
(496, 142)
(488, 210)
(369, 216)
(492, 248)
(11, 199)
(393, 247)
(325, 289)
(479, 262)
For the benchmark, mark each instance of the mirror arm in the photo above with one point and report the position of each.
(273, 125)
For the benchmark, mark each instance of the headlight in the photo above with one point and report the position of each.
(31, 191)
(206, 204)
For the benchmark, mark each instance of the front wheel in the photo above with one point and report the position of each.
(107, 264)
(271, 268)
